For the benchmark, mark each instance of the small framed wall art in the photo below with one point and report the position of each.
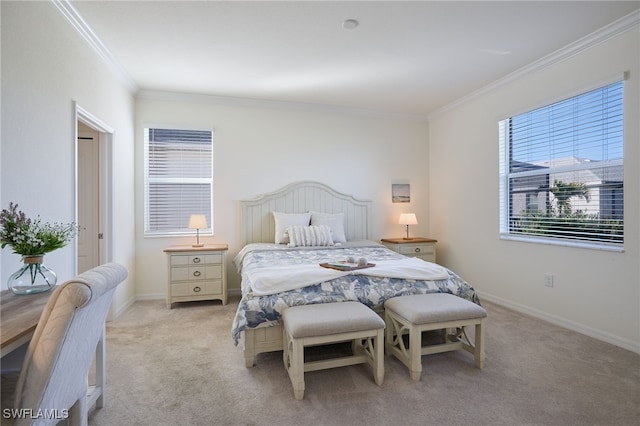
(400, 193)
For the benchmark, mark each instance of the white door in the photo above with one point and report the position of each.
(88, 198)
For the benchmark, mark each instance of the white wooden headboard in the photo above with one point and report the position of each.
(257, 224)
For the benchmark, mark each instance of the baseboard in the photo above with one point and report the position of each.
(162, 296)
(156, 296)
(115, 311)
(126, 306)
(563, 322)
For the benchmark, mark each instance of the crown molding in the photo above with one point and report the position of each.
(161, 95)
(80, 25)
(65, 7)
(605, 33)
(71, 14)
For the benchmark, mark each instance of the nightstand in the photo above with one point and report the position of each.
(424, 248)
(197, 273)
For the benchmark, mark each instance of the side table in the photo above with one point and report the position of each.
(197, 273)
(424, 248)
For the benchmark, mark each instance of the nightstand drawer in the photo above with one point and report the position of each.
(417, 249)
(184, 260)
(196, 273)
(196, 289)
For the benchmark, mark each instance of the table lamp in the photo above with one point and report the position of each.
(197, 222)
(408, 219)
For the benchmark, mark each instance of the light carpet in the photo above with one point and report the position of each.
(180, 367)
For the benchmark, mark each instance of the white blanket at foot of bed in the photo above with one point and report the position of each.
(271, 280)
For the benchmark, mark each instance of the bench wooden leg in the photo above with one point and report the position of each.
(378, 369)
(479, 344)
(293, 359)
(297, 368)
(415, 352)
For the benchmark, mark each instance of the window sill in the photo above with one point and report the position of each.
(566, 243)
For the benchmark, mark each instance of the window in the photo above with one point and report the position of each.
(178, 179)
(561, 171)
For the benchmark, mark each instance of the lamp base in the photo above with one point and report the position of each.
(197, 245)
(407, 238)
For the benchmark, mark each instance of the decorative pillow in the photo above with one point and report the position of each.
(334, 221)
(286, 220)
(309, 236)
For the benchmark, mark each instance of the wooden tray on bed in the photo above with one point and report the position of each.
(345, 266)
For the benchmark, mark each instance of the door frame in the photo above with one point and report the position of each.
(105, 210)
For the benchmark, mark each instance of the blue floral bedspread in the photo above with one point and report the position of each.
(263, 311)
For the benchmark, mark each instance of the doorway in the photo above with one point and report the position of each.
(88, 187)
(94, 177)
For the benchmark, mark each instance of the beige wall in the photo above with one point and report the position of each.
(596, 292)
(46, 66)
(261, 147)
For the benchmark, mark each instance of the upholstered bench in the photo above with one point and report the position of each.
(415, 314)
(328, 323)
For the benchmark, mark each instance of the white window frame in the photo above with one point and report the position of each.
(182, 229)
(506, 177)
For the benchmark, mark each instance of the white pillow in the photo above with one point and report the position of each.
(300, 236)
(286, 220)
(334, 221)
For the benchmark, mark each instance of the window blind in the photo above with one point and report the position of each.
(178, 179)
(562, 169)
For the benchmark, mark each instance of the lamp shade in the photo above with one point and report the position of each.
(408, 219)
(197, 221)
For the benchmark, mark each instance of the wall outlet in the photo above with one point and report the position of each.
(548, 280)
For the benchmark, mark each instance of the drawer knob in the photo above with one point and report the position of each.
(417, 249)
(196, 273)
(196, 260)
(197, 289)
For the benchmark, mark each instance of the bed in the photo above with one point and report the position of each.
(278, 275)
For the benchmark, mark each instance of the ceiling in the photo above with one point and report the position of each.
(411, 57)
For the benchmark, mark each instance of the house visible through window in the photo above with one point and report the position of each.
(561, 170)
(178, 179)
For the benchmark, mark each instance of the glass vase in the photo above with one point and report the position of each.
(33, 277)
